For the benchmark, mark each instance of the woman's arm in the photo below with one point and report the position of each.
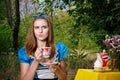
(60, 70)
(28, 71)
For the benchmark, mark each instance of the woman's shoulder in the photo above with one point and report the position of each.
(60, 45)
(62, 50)
(22, 55)
(21, 49)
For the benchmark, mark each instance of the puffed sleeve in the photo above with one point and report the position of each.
(22, 56)
(62, 50)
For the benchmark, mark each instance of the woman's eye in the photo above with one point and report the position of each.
(36, 27)
(44, 27)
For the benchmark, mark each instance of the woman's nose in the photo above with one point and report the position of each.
(41, 30)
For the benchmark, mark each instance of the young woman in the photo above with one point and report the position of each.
(33, 66)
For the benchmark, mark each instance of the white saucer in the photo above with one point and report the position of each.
(48, 63)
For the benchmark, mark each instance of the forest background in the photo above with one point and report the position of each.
(79, 24)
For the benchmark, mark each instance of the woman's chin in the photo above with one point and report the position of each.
(41, 39)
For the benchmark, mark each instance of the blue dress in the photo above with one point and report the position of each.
(61, 53)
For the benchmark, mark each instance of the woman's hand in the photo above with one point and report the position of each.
(59, 69)
(53, 66)
(38, 55)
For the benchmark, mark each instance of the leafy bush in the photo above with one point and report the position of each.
(24, 27)
(5, 38)
(9, 67)
(76, 57)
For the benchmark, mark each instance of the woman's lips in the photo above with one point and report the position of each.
(39, 35)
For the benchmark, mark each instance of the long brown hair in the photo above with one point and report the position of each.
(31, 42)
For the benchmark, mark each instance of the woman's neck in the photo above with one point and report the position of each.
(41, 44)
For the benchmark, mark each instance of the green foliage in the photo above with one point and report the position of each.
(5, 31)
(87, 40)
(24, 27)
(76, 57)
(5, 38)
(9, 67)
(116, 17)
(62, 23)
(99, 17)
(2, 10)
(78, 54)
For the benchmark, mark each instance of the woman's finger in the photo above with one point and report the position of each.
(38, 54)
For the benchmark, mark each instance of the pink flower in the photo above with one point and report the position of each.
(113, 43)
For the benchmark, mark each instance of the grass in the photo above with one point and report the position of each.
(9, 67)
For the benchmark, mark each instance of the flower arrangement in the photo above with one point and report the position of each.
(113, 44)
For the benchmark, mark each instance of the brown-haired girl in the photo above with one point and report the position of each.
(33, 66)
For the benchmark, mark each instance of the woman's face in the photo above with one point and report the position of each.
(41, 29)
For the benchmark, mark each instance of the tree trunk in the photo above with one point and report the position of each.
(9, 13)
(16, 26)
(13, 18)
(26, 4)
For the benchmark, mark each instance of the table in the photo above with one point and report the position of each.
(89, 74)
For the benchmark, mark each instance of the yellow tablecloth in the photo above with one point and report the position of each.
(89, 74)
